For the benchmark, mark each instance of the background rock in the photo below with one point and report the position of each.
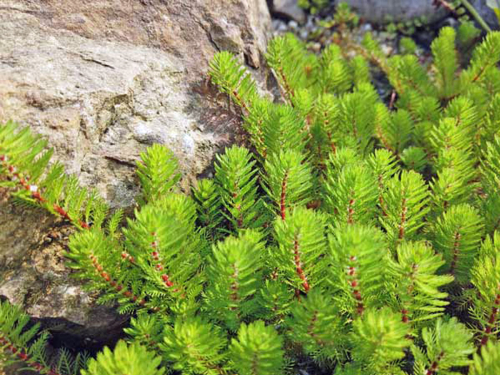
(383, 11)
(486, 13)
(102, 80)
(288, 9)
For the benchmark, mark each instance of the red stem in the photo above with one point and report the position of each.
(298, 266)
(23, 356)
(288, 90)
(238, 207)
(350, 212)
(238, 98)
(35, 194)
(405, 318)
(113, 283)
(332, 143)
(434, 366)
(404, 211)
(159, 265)
(354, 283)
(393, 99)
(491, 321)
(310, 329)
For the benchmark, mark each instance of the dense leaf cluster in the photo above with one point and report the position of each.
(361, 236)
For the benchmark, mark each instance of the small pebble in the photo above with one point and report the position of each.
(387, 49)
(293, 24)
(283, 28)
(367, 27)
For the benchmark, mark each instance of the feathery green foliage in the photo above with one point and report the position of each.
(237, 180)
(378, 339)
(488, 362)
(413, 275)
(359, 236)
(448, 345)
(257, 350)
(125, 359)
(21, 341)
(157, 171)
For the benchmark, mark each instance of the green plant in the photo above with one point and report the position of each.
(314, 6)
(361, 237)
(124, 359)
(462, 8)
(25, 342)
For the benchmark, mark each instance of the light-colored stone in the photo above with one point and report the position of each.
(384, 11)
(289, 9)
(102, 80)
(486, 13)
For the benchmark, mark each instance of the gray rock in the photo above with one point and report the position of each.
(102, 81)
(384, 11)
(293, 25)
(289, 9)
(486, 13)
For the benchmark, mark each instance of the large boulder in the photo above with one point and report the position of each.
(486, 13)
(288, 9)
(384, 11)
(102, 80)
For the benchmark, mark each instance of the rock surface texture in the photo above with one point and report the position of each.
(288, 9)
(102, 80)
(486, 13)
(383, 11)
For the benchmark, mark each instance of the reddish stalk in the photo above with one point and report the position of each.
(298, 266)
(240, 100)
(382, 204)
(393, 99)
(434, 366)
(35, 193)
(354, 284)
(411, 288)
(491, 321)
(238, 208)
(405, 318)
(382, 139)
(23, 356)
(350, 211)
(128, 257)
(404, 211)
(113, 283)
(330, 139)
(159, 266)
(234, 286)
(310, 329)
(288, 90)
